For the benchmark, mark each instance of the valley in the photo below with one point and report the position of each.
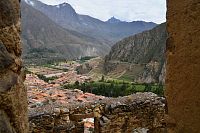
(99, 66)
(73, 83)
(68, 75)
(58, 32)
(76, 65)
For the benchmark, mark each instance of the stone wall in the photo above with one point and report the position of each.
(126, 114)
(13, 96)
(55, 122)
(55, 118)
(121, 115)
(183, 66)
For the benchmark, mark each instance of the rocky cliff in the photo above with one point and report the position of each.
(13, 95)
(141, 55)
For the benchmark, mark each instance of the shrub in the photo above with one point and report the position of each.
(115, 89)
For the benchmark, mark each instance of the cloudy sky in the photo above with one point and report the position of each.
(126, 10)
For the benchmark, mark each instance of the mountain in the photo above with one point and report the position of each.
(139, 58)
(105, 32)
(44, 40)
(113, 20)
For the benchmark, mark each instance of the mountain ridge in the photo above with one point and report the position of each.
(105, 32)
(59, 31)
(43, 38)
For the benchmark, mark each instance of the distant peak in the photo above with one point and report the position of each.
(30, 2)
(64, 4)
(113, 20)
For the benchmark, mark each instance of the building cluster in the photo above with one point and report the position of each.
(71, 77)
(41, 93)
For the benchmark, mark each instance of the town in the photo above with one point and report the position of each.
(42, 91)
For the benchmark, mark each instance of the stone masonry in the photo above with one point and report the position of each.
(120, 115)
(183, 66)
(124, 115)
(13, 95)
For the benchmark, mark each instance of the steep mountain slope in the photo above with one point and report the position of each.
(106, 32)
(43, 39)
(139, 57)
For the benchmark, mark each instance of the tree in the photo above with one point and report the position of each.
(76, 85)
(160, 90)
(147, 88)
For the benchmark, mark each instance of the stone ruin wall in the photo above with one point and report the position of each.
(131, 112)
(183, 66)
(111, 115)
(13, 95)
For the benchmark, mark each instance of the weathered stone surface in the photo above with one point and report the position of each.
(8, 13)
(51, 123)
(5, 126)
(5, 59)
(141, 110)
(183, 66)
(10, 26)
(110, 114)
(13, 95)
(8, 80)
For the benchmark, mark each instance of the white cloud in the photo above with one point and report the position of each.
(127, 10)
